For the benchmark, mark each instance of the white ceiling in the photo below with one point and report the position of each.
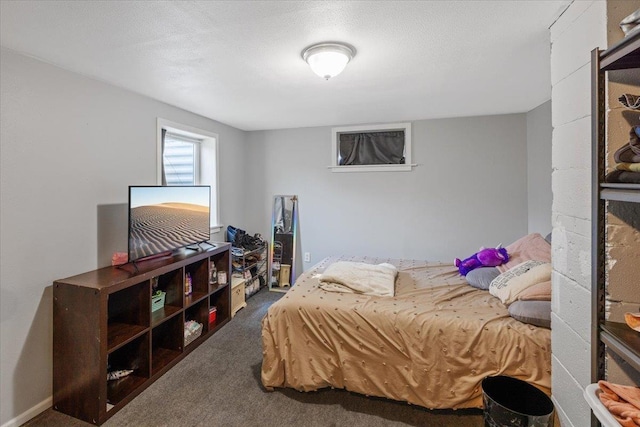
(239, 62)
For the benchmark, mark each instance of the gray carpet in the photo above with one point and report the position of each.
(218, 384)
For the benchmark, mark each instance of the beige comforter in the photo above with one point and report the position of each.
(430, 345)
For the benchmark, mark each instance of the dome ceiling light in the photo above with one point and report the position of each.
(328, 59)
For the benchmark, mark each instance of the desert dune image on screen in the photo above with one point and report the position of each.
(166, 218)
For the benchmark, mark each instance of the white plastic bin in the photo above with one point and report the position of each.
(599, 410)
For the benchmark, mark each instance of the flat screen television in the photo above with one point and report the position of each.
(163, 219)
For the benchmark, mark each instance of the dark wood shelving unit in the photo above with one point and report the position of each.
(103, 321)
(607, 335)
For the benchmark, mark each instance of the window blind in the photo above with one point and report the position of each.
(181, 159)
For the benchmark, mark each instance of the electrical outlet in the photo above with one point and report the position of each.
(307, 257)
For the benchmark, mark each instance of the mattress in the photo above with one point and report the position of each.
(431, 344)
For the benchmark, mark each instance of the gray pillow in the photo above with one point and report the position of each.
(481, 277)
(548, 238)
(533, 312)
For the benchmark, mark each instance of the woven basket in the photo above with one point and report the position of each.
(189, 338)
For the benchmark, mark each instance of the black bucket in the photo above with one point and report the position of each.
(510, 402)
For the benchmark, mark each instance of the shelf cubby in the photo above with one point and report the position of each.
(199, 272)
(215, 288)
(132, 356)
(166, 343)
(218, 263)
(128, 314)
(200, 313)
(222, 302)
(221, 262)
(163, 314)
(172, 283)
(194, 298)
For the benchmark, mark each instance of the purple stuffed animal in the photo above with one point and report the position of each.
(485, 257)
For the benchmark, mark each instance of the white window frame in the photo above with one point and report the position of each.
(209, 144)
(407, 166)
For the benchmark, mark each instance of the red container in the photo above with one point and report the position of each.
(212, 316)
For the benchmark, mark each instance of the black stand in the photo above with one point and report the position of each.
(147, 258)
(213, 245)
(199, 246)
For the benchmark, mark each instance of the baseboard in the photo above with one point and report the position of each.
(30, 413)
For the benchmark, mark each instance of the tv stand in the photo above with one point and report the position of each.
(104, 320)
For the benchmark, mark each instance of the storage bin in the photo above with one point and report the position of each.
(213, 312)
(237, 295)
(157, 300)
(192, 330)
(510, 402)
(599, 410)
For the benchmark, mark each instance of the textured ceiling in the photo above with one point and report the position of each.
(239, 62)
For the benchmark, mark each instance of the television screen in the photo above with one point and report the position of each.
(163, 219)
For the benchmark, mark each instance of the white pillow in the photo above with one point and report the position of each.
(509, 284)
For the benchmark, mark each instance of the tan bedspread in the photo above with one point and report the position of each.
(430, 345)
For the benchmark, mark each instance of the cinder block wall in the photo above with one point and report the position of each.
(579, 29)
(584, 26)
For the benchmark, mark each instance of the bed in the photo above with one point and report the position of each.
(430, 345)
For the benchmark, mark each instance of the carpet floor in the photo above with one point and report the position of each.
(218, 384)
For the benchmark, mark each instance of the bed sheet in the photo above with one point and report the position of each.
(430, 345)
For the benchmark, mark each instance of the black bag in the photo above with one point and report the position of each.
(234, 235)
(240, 239)
(249, 242)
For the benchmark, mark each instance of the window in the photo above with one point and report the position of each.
(181, 159)
(371, 148)
(189, 156)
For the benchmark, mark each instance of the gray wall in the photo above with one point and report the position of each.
(539, 193)
(469, 190)
(70, 146)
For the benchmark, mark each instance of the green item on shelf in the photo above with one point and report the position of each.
(157, 300)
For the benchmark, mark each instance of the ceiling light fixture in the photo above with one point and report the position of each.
(328, 59)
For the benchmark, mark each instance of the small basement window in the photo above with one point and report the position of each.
(372, 148)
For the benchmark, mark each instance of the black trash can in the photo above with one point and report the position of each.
(510, 402)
